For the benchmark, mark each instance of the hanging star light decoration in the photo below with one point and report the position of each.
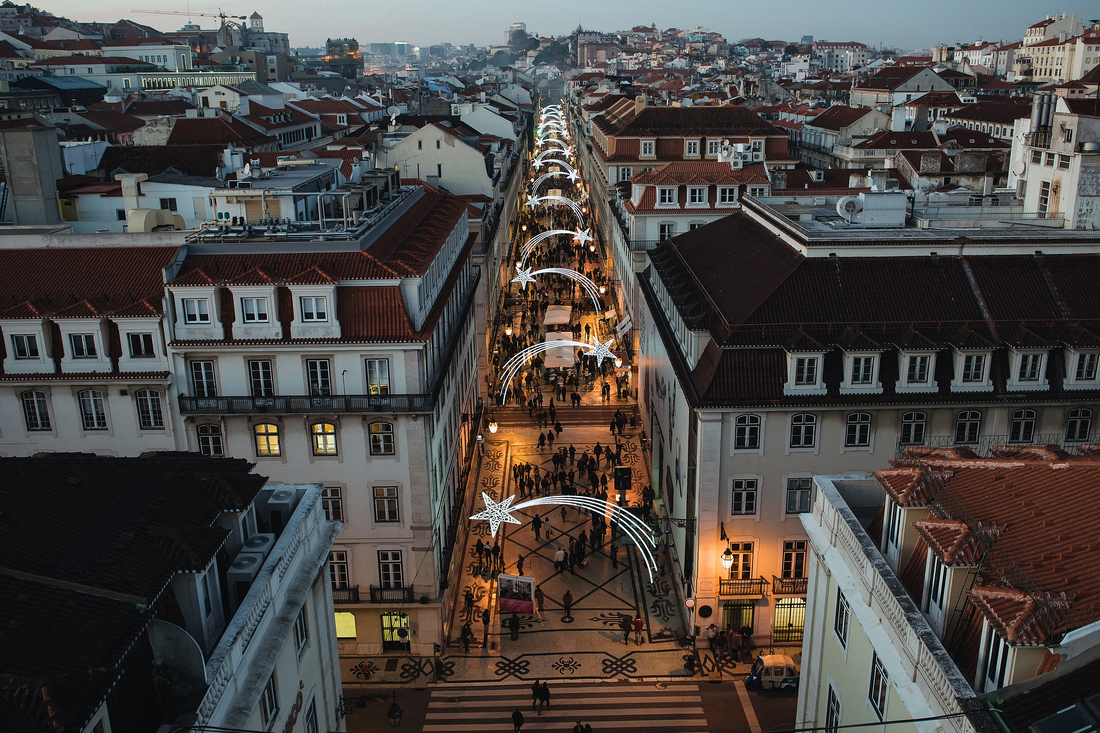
(601, 351)
(523, 277)
(582, 235)
(495, 513)
(574, 176)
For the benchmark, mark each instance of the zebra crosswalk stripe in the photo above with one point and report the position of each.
(609, 707)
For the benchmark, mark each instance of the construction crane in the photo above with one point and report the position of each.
(223, 37)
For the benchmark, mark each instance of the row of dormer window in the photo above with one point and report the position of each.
(196, 311)
(82, 347)
(916, 371)
(691, 148)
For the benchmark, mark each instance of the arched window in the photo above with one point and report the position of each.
(1078, 426)
(858, 431)
(150, 416)
(803, 430)
(267, 439)
(746, 432)
(210, 440)
(324, 439)
(967, 426)
(92, 412)
(912, 428)
(35, 410)
(1022, 427)
(381, 439)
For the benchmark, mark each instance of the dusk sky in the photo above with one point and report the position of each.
(907, 25)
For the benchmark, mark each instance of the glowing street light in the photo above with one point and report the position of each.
(727, 559)
(493, 426)
(592, 247)
(603, 289)
(508, 330)
(618, 361)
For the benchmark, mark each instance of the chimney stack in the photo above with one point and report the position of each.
(639, 104)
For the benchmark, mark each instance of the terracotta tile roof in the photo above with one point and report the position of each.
(686, 122)
(905, 485)
(190, 160)
(104, 280)
(113, 121)
(699, 174)
(950, 540)
(86, 376)
(838, 117)
(91, 61)
(889, 140)
(216, 131)
(1004, 113)
(257, 112)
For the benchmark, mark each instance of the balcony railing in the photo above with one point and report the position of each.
(751, 587)
(1038, 139)
(643, 245)
(346, 595)
(284, 405)
(988, 446)
(788, 586)
(400, 594)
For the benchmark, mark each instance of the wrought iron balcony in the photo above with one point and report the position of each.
(737, 587)
(988, 446)
(399, 594)
(301, 404)
(788, 586)
(346, 595)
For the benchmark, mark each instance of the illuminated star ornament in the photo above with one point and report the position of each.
(582, 235)
(523, 277)
(496, 513)
(601, 351)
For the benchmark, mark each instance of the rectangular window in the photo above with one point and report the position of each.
(666, 231)
(301, 630)
(742, 552)
(841, 619)
(1049, 159)
(202, 378)
(318, 375)
(196, 310)
(1063, 162)
(1044, 198)
(332, 501)
(141, 345)
(389, 569)
(863, 369)
(254, 310)
(92, 412)
(82, 345)
(1086, 367)
(625, 172)
(912, 428)
(25, 345)
(996, 663)
(381, 439)
(744, 496)
(697, 196)
(378, 376)
(1030, 366)
(938, 584)
(691, 148)
(385, 504)
(805, 371)
(259, 376)
(647, 148)
(120, 214)
(267, 439)
(314, 309)
(269, 702)
(713, 147)
(1036, 156)
(727, 195)
(794, 559)
(857, 433)
(917, 369)
(973, 368)
(832, 711)
(967, 426)
(169, 204)
(36, 412)
(210, 440)
(798, 495)
(1078, 426)
(666, 195)
(338, 569)
(879, 687)
(207, 602)
(311, 717)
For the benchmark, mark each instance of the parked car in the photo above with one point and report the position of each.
(773, 671)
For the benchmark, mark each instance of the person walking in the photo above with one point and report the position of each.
(479, 548)
(573, 560)
(517, 720)
(614, 556)
(613, 426)
(546, 522)
(469, 603)
(485, 621)
(519, 565)
(544, 697)
(626, 625)
(638, 629)
(567, 604)
(496, 557)
(513, 626)
(550, 438)
(572, 454)
(559, 560)
(540, 597)
(536, 524)
(557, 428)
(542, 438)
(563, 518)
(534, 694)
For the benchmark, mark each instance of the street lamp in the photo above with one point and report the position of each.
(394, 713)
(508, 330)
(603, 289)
(592, 247)
(727, 558)
(618, 361)
(523, 227)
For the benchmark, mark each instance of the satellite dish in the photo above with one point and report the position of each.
(393, 110)
(1018, 168)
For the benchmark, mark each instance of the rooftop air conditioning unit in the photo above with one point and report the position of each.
(278, 508)
(241, 574)
(260, 544)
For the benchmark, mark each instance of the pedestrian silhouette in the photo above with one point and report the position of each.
(614, 556)
(567, 603)
(536, 524)
(517, 719)
(513, 626)
(534, 694)
(519, 565)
